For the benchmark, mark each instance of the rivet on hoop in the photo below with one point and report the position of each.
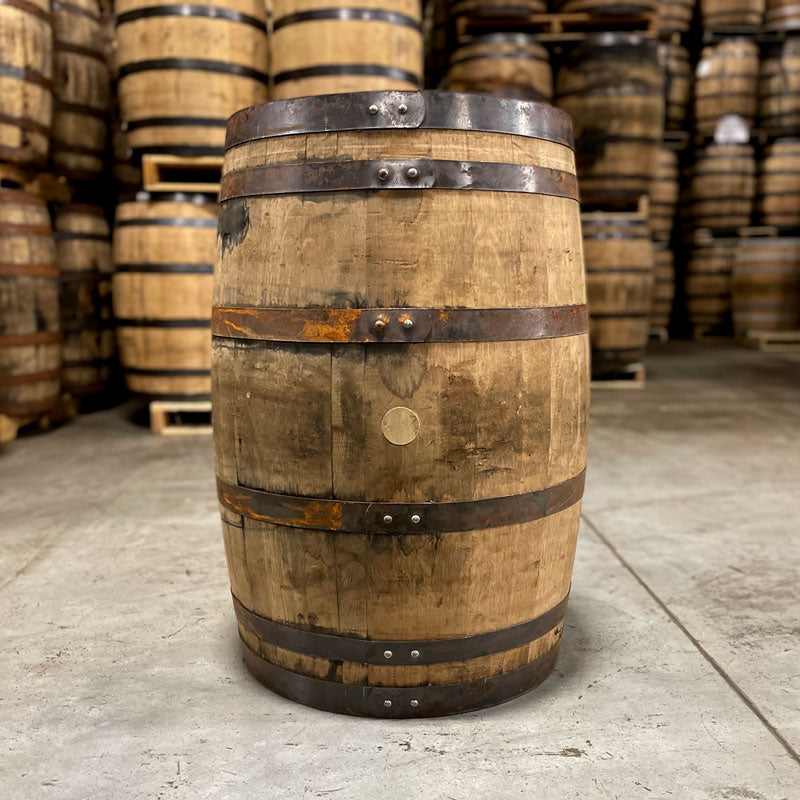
(380, 322)
(373, 109)
(387, 703)
(408, 323)
(402, 108)
(383, 174)
(415, 654)
(387, 520)
(416, 519)
(387, 653)
(414, 703)
(412, 173)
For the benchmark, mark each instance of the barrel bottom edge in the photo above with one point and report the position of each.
(406, 702)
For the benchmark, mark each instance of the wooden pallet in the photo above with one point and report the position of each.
(167, 173)
(633, 379)
(659, 332)
(558, 28)
(773, 341)
(167, 417)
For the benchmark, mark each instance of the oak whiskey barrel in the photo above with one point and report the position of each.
(765, 288)
(26, 80)
(723, 186)
(782, 15)
(675, 16)
(779, 88)
(726, 82)
(325, 46)
(708, 283)
(381, 374)
(723, 13)
(778, 200)
(82, 90)
(664, 194)
(664, 286)
(619, 288)
(496, 8)
(674, 59)
(83, 247)
(612, 86)
(606, 7)
(164, 262)
(184, 69)
(30, 332)
(503, 64)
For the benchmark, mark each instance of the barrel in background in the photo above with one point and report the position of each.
(26, 81)
(319, 47)
(30, 330)
(782, 15)
(779, 88)
(708, 284)
(664, 194)
(722, 13)
(376, 402)
(619, 287)
(164, 257)
(675, 16)
(723, 186)
(83, 247)
(183, 70)
(664, 285)
(674, 59)
(779, 184)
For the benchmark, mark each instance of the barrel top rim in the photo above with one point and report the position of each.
(399, 110)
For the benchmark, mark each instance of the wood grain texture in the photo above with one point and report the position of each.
(144, 289)
(479, 419)
(30, 338)
(778, 200)
(348, 45)
(723, 186)
(83, 248)
(708, 282)
(26, 94)
(779, 88)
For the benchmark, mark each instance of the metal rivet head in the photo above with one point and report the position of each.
(414, 703)
(387, 703)
(415, 654)
(402, 108)
(416, 519)
(383, 174)
(387, 520)
(412, 173)
(373, 109)
(408, 323)
(387, 653)
(380, 324)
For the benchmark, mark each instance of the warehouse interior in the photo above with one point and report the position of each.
(400, 399)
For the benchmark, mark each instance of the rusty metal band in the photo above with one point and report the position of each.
(79, 50)
(177, 269)
(25, 339)
(354, 516)
(28, 8)
(393, 702)
(170, 222)
(30, 377)
(192, 10)
(200, 64)
(323, 70)
(388, 110)
(26, 74)
(163, 323)
(398, 652)
(334, 325)
(348, 15)
(36, 270)
(13, 228)
(71, 8)
(406, 173)
(25, 124)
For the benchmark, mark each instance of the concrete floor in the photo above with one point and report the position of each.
(679, 676)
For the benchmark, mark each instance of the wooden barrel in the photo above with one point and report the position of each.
(726, 82)
(779, 184)
(664, 194)
(184, 69)
(612, 87)
(664, 286)
(722, 13)
(381, 437)
(83, 246)
(675, 16)
(496, 8)
(674, 60)
(723, 186)
(326, 46)
(26, 80)
(609, 7)
(82, 90)
(164, 257)
(782, 15)
(779, 88)
(619, 288)
(30, 332)
(505, 64)
(708, 283)
(765, 289)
